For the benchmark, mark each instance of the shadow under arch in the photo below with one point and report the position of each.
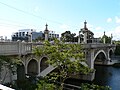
(110, 53)
(20, 71)
(100, 57)
(43, 64)
(32, 68)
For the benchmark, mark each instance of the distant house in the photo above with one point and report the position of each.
(28, 35)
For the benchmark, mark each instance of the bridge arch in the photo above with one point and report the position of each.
(100, 56)
(21, 71)
(110, 53)
(43, 64)
(32, 67)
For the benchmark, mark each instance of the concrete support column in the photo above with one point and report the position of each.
(26, 64)
(39, 67)
(85, 37)
(79, 39)
(46, 37)
(46, 32)
(108, 55)
(104, 41)
(111, 38)
(23, 58)
(90, 58)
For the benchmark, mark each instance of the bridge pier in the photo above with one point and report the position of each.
(89, 56)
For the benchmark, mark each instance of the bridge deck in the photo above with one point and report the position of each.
(16, 48)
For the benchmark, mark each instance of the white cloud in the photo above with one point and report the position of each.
(7, 31)
(98, 34)
(109, 20)
(90, 26)
(116, 33)
(117, 19)
(98, 28)
(64, 27)
(36, 9)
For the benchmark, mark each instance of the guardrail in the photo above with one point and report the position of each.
(15, 48)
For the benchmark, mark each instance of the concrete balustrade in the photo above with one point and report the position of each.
(99, 45)
(15, 48)
(18, 48)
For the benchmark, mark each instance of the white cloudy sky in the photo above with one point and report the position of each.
(60, 15)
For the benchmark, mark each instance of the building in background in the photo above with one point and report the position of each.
(22, 35)
(4, 39)
(29, 35)
(52, 34)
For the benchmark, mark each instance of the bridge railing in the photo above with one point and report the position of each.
(92, 45)
(99, 45)
(11, 48)
(15, 48)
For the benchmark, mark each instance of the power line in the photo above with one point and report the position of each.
(7, 24)
(29, 13)
(39, 17)
(17, 22)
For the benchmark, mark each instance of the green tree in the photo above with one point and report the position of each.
(107, 39)
(86, 86)
(117, 50)
(67, 36)
(68, 58)
(44, 85)
(9, 63)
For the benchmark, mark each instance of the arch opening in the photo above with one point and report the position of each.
(20, 72)
(100, 58)
(43, 64)
(32, 68)
(110, 54)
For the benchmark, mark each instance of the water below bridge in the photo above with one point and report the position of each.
(108, 75)
(105, 76)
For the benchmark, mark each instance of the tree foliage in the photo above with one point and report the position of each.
(86, 86)
(107, 39)
(67, 36)
(8, 63)
(117, 50)
(44, 85)
(68, 58)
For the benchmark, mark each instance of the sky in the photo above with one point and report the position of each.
(61, 16)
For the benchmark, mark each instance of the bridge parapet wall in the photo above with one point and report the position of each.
(15, 48)
(92, 50)
(99, 45)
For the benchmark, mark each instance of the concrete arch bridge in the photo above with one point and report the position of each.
(94, 54)
(34, 65)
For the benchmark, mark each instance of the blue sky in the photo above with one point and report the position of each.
(60, 15)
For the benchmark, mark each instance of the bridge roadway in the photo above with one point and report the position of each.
(101, 53)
